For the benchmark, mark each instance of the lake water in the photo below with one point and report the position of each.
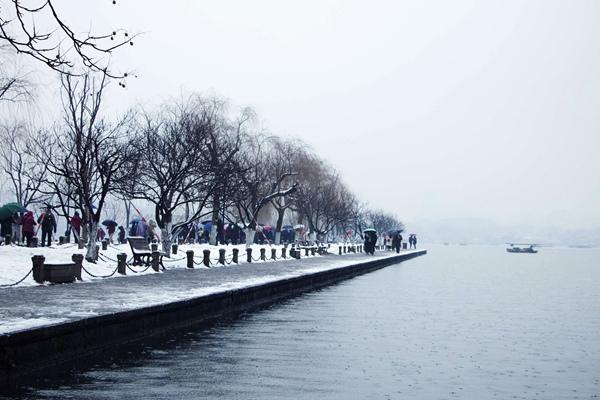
(463, 322)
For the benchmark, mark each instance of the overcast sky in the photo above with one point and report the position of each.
(447, 109)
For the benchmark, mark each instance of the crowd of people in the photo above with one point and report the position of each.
(24, 227)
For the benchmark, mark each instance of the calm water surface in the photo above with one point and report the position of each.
(470, 322)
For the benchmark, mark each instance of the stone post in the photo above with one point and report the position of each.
(263, 255)
(121, 263)
(345, 249)
(313, 251)
(174, 248)
(222, 256)
(206, 258)
(273, 254)
(154, 247)
(283, 250)
(38, 268)
(105, 245)
(61, 240)
(190, 258)
(249, 254)
(236, 253)
(78, 260)
(340, 250)
(155, 260)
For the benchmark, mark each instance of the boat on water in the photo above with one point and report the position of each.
(521, 248)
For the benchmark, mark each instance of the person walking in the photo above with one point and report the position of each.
(121, 236)
(48, 223)
(28, 228)
(153, 231)
(141, 229)
(397, 241)
(6, 228)
(111, 228)
(100, 234)
(76, 225)
(17, 221)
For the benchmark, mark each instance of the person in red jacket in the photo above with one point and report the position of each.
(76, 225)
(28, 227)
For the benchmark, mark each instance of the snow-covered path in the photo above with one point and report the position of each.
(27, 307)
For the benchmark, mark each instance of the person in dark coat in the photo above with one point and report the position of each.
(100, 234)
(397, 241)
(112, 228)
(48, 223)
(76, 225)
(28, 227)
(121, 236)
(6, 228)
(413, 241)
(370, 240)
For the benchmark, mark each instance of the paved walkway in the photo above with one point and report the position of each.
(27, 307)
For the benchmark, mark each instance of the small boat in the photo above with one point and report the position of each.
(517, 248)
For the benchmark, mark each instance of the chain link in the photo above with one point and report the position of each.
(99, 276)
(19, 281)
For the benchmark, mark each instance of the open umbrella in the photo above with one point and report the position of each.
(109, 222)
(7, 210)
(369, 230)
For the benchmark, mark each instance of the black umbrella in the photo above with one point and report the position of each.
(109, 222)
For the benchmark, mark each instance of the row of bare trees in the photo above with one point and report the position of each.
(189, 160)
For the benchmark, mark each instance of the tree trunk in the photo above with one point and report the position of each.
(249, 236)
(92, 254)
(127, 214)
(280, 214)
(215, 220)
(166, 238)
(84, 232)
(278, 237)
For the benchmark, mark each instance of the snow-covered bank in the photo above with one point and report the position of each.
(15, 261)
(25, 307)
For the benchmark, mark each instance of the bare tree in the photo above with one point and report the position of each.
(39, 31)
(258, 186)
(86, 153)
(172, 171)
(14, 85)
(287, 158)
(323, 200)
(382, 221)
(19, 164)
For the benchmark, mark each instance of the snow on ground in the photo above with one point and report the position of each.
(28, 307)
(15, 261)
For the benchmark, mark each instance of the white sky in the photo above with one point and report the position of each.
(462, 109)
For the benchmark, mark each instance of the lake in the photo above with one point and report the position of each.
(463, 322)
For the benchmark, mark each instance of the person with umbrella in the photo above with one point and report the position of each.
(7, 212)
(397, 241)
(111, 227)
(370, 237)
(48, 223)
